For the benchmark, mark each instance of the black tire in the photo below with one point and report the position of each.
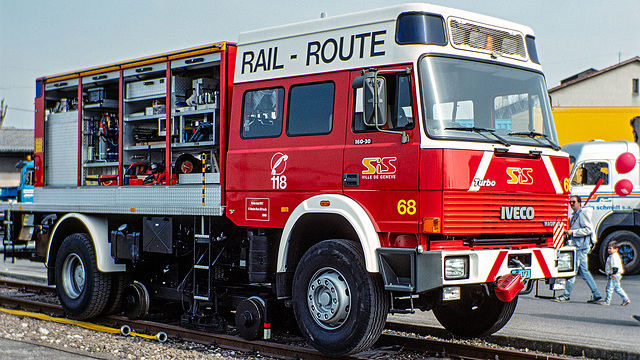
(629, 250)
(119, 281)
(82, 289)
(476, 314)
(331, 282)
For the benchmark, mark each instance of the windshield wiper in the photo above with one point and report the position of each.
(534, 135)
(480, 131)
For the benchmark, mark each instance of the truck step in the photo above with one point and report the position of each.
(202, 238)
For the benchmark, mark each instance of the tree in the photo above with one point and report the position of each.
(3, 112)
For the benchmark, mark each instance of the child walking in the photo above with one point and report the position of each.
(614, 271)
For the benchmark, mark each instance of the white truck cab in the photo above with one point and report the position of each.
(615, 217)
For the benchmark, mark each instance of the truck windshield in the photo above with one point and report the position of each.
(509, 105)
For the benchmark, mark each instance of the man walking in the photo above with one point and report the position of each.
(580, 232)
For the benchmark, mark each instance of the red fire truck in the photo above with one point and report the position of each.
(339, 170)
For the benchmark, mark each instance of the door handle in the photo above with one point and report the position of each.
(351, 180)
(605, 200)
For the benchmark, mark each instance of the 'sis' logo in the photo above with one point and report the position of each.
(377, 165)
(520, 175)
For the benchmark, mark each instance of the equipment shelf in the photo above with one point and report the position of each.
(130, 117)
(145, 147)
(193, 144)
(101, 164)
(145, 98)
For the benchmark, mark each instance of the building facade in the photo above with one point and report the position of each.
(15, 145)
(598, 104)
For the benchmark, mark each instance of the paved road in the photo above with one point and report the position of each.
(12, 349)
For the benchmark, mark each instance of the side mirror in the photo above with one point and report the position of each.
(582, 173)
(375, 93)
(375, 100)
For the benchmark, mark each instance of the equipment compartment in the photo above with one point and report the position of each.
(100, 129)
(195, 118)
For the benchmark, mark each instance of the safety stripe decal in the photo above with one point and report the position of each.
(482, 170)
(542, 263)
(496, 266)
(558, 234)
(552, 174)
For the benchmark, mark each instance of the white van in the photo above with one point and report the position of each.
(614, 217)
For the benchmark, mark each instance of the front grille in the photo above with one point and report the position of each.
(470, 36)
(478, 213)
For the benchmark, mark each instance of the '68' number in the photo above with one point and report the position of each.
(407, 207)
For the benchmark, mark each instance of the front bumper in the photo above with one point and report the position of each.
(415, 271)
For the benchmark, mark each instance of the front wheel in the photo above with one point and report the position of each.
(340, 307)
(476, 314)
(82, 289)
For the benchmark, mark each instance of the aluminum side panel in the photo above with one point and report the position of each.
(61, 149)
(152, 200)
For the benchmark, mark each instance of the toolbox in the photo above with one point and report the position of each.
(145, 88)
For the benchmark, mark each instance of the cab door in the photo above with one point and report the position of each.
(286, 144)
(380, 171)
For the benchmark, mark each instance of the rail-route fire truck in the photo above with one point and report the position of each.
(337, 170)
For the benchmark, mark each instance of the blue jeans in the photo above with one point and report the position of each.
(583, 270)
(614, 284)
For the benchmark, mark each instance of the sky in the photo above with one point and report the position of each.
(46, 37)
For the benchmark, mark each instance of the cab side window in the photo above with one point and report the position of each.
(399, 105)
(29, 177)
(262, 113)
(310, 109)
(590, 172)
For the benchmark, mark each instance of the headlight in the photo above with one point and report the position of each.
(456, 268)
(565, 261)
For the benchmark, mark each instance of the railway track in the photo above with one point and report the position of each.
(393, 340)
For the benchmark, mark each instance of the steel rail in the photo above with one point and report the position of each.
(27, 286)
(265, 348)
(460, 350)
(10, 302)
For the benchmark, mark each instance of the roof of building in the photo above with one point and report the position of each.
(578, 75)
(589, 74)
(16, 140)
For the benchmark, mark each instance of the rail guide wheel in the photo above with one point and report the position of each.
(250, 318)
(136, 301)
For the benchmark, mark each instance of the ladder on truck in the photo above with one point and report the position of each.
(205, 257)
(202, 262)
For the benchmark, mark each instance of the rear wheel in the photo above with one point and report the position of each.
(119, 281)
(629, 250)
(82, 289)
(340, 307)
(476, 314)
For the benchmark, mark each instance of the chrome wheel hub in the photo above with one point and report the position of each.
(329, 298)
(73, 276)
